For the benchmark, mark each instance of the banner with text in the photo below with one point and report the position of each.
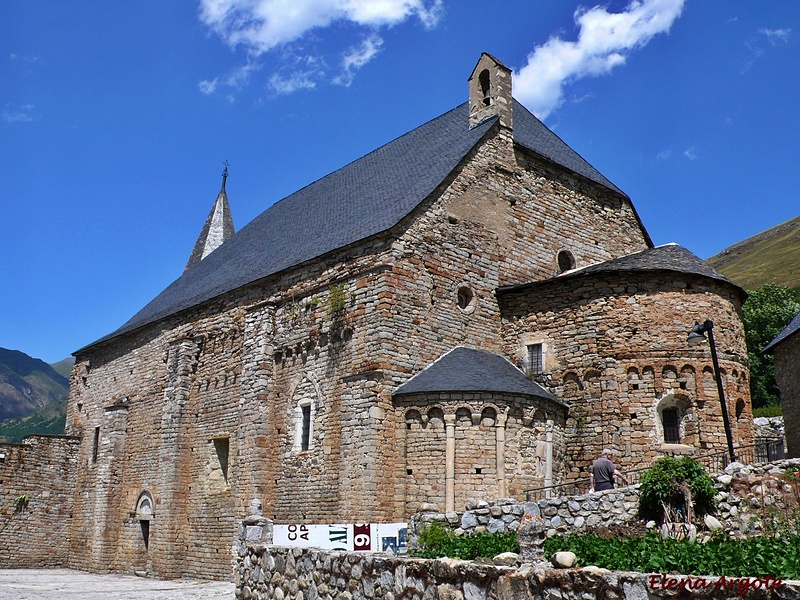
(371, 537)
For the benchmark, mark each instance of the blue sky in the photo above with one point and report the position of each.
(116, 117)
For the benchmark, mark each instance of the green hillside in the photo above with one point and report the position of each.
(33, 396)
(27, 384)
(49, 419)
(64, 367)
(772, 256)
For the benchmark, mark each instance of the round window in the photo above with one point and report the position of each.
(566, 262)
(465, 299)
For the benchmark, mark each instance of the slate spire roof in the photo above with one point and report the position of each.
(217, 230)
(365, 198)
(465, 369)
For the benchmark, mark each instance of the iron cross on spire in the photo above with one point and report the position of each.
(225, 173)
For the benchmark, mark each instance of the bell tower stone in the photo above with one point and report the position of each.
(490, 92)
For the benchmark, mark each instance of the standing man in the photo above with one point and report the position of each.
(602, 473)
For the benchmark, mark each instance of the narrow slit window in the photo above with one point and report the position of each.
(305, 437)
(95, 444)
(222, 447)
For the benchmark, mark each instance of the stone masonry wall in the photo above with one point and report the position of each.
(42, 469)
(281, 573)
(787, 375)
(615, 349)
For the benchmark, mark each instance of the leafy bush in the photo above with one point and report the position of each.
(660, 484)
(437, 540)
(336, 298)
(767, 310)
(751, 557)
(768, 411)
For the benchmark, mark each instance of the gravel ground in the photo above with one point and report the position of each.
(63, 584)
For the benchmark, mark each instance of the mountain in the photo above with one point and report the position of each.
(64, 367)
(49, 419)
(772, 256)
(27, 384)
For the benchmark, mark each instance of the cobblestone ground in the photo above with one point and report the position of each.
(63, 584)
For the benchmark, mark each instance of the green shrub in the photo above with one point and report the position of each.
(336, 298)
(436, 540)
(768, 411)
(660, 484)
(777, 556)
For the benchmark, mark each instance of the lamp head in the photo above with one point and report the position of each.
(695, 339)
(698, 333)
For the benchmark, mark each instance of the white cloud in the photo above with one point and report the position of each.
(757, 43)
(690, 153)
(261, 25)
(208, 87)
(26, 59)
(292, 82)
(776, 37)
(236, 78)
(357, 58)
(17, 115)
(604, 41)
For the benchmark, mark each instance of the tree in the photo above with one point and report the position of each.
(766, 312)
(673, 482)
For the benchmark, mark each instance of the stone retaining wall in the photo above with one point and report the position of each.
(558, 515)
(750, 497)
(293, 573)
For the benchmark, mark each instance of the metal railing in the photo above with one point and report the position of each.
(762, 452)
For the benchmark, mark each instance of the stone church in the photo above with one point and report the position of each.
(471, 310)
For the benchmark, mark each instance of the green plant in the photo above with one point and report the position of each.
(664, 483)
(336, 298)
(767, 310)
(751, 557)
(768, 411)
(436, 540)
(21, 502)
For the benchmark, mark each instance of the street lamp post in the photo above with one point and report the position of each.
(697, 336)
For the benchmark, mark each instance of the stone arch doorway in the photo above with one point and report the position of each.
(144, 515)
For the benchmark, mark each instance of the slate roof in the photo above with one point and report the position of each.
(364, 198)
(470, 370)
(669, 257)
(791, 328)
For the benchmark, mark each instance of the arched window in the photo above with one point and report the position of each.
(672, 412)
(670, 420)
(144, 513)
(486, 92)
(740, 408)
(566, 262)
(305, 408)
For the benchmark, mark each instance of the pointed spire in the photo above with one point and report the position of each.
(217, 229)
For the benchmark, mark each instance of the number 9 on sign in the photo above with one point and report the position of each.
(362, 540)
